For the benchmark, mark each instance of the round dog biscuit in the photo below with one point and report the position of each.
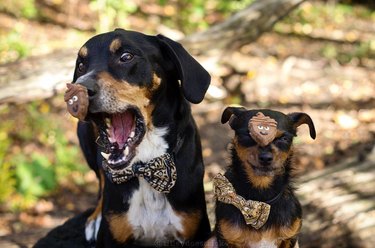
(77, 100)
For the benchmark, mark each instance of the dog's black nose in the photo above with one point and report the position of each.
(265, 158)
(91, 85)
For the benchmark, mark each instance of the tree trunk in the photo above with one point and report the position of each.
(242, 28)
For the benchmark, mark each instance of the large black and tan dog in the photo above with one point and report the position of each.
(256, 206)
(141, 140)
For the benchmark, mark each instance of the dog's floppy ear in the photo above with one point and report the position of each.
(300, 118)
(230, 113)
(194, 78)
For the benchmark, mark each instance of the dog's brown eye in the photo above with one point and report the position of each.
(81, 67)
(126, 57)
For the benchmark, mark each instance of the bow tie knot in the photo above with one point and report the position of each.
(255, 212)
(159, 172)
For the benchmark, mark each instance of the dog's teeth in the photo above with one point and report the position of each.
(127, 151)
(107, 121)
(105, 155)
(132, 134)
(129, 139)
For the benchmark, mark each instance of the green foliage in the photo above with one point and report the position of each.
(185, 15)
(359, 51)
(195, 15)
(7, 180)
(12, 47)
(112, 13)
(20, 8)
(35, 155)
(35, 176)
(331, 19)
(320, 15)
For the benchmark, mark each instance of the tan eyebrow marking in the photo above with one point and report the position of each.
(115, 44)
(83, 52)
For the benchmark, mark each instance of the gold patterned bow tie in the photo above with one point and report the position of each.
(255, 212)
(159, 172)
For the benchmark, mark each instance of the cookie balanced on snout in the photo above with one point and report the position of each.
(256, 205)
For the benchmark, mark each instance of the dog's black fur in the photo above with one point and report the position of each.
(269, 182)
(169, 78)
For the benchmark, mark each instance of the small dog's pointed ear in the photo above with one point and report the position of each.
(230, 113)
(300, 118)
(194, 78)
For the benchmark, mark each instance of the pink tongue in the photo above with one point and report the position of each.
(122, 125)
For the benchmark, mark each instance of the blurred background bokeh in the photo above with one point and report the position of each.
(319, 59)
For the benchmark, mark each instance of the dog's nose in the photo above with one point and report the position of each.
(265, 158)
(90, 84)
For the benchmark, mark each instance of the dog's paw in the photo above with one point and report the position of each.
(92, 228)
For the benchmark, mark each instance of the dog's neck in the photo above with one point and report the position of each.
(173, 112)
(244, 187)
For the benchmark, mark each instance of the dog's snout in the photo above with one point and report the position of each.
(265, 158)
(90, 84)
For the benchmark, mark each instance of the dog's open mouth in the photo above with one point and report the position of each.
(119, 136)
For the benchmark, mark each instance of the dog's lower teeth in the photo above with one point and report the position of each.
(132, 134)
(126, 152)
(108, 122)
(105, 155)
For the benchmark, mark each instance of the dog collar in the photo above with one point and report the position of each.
(159, 172)
(255, 212)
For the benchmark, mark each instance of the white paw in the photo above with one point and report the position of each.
(92, 228)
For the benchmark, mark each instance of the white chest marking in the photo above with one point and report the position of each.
(150, 214)
(263, 244)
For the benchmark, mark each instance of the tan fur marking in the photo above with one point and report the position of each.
(119, 226)
(98, 209)
(279, 133)
(242, 237)
(83, 52)
(290, 231)
(115, 44)
(156, 81)
(249, 155)
(190, 223)
(133, 95)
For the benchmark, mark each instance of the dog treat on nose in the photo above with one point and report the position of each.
(262, 129)
(77, 100)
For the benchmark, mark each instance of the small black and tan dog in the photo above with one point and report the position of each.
(256, 206)
(141, 140)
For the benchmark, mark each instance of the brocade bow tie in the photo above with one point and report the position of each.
(159, 172)
(255, 212)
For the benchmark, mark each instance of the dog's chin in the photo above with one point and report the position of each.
(264, 171)
(119, 135)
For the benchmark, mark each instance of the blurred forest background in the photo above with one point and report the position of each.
(319, 59)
